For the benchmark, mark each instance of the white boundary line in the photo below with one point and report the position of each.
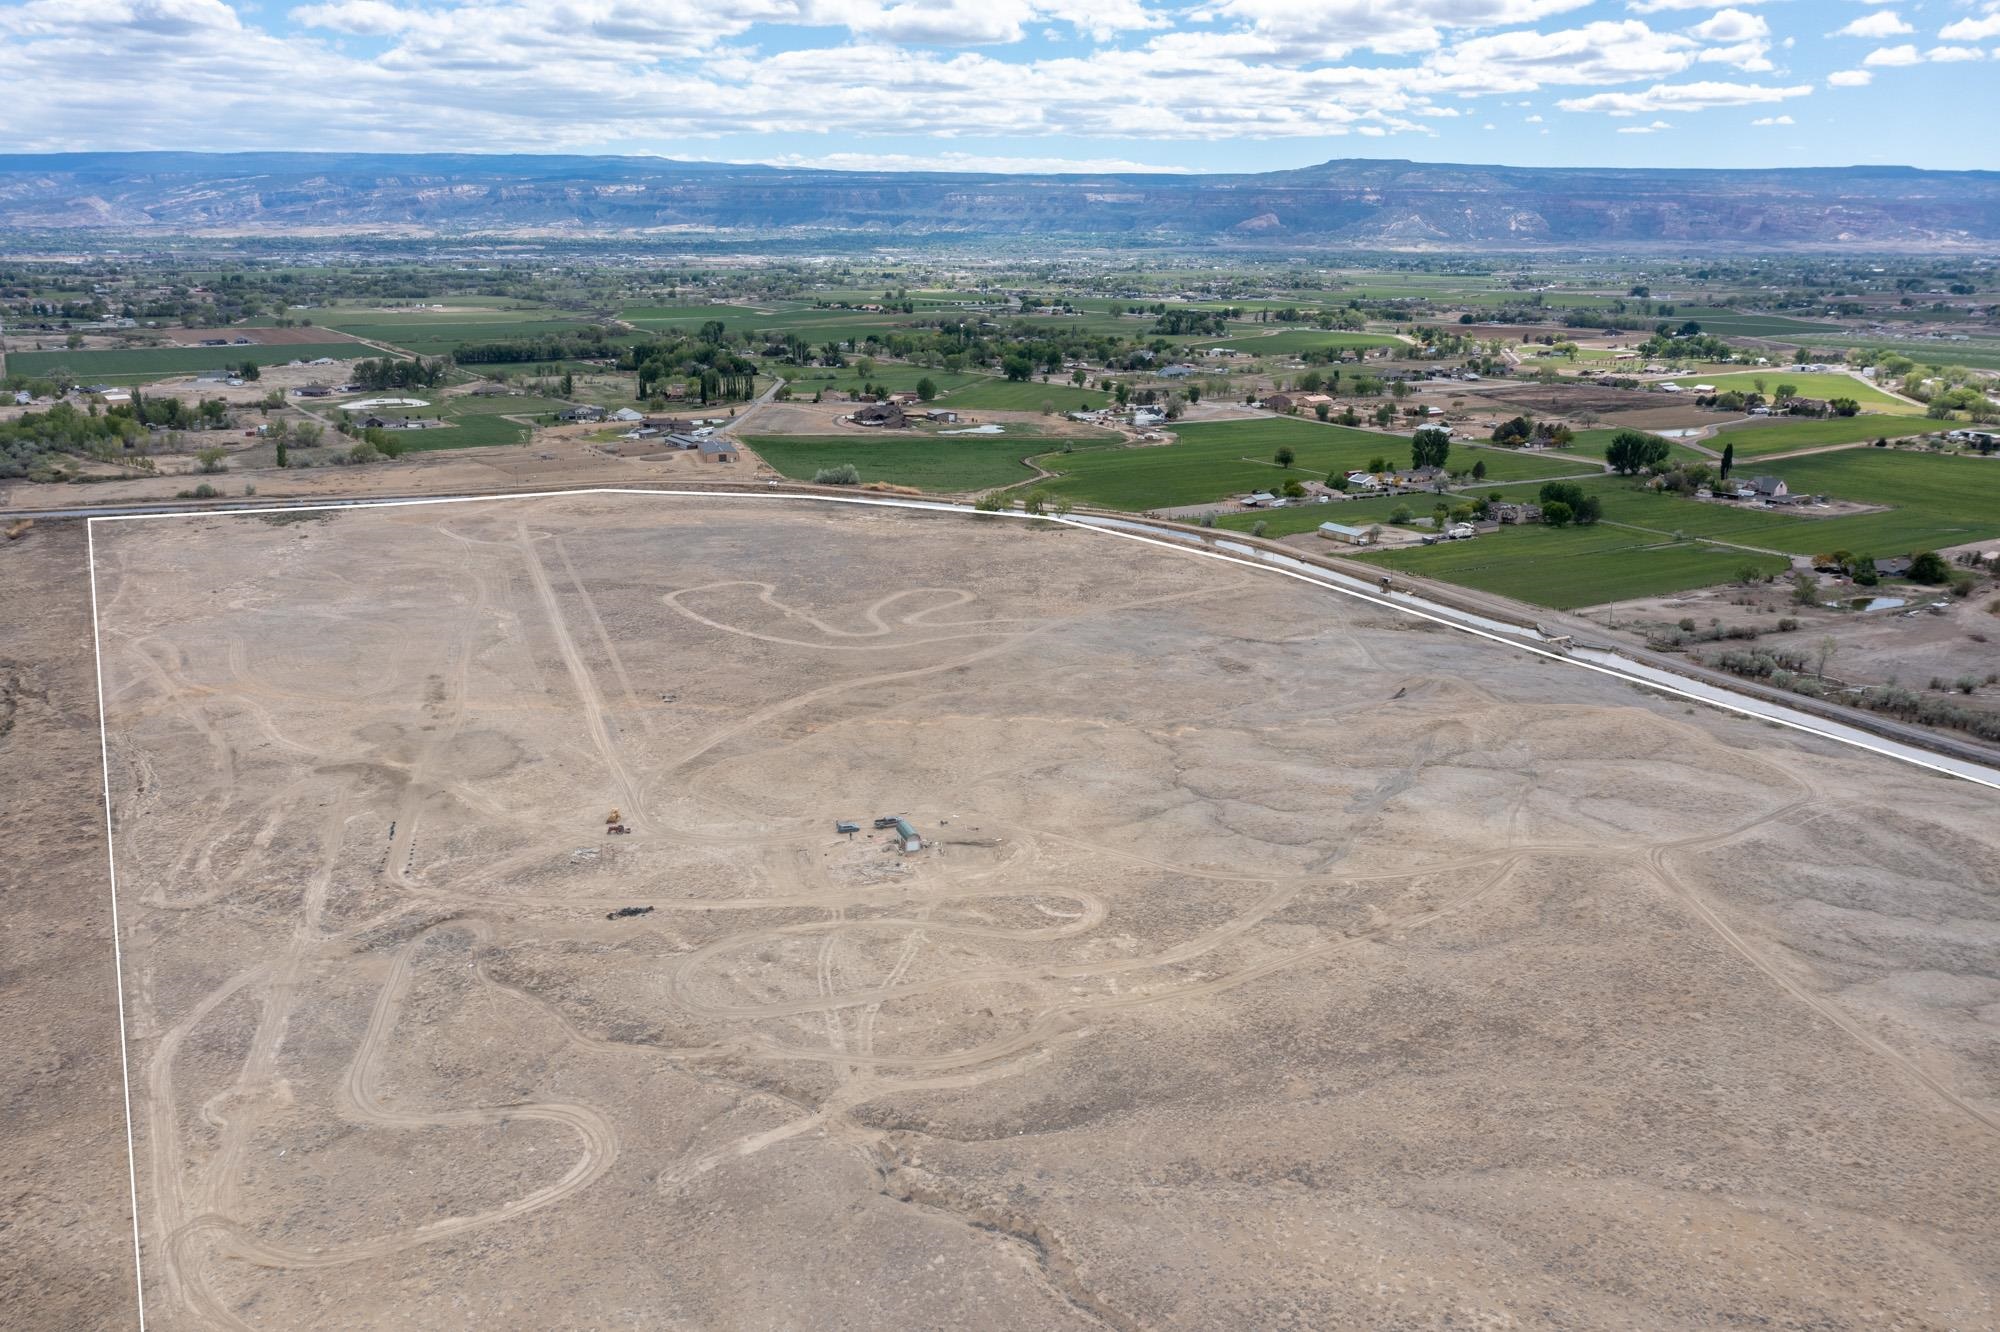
(929, 506)
(117, 937)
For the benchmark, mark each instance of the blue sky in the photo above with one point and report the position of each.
(1217, 85)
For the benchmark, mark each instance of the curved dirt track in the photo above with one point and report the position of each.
(369, 840)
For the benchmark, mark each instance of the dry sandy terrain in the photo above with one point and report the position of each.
(1933, 636)
(1276, 962)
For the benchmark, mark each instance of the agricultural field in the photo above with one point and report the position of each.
(804, 381)
(944, 464)
(1590, 444)
(139, 365)
(1937, 500)
(475, 422)
(1295, 518)
(1871, 398)
(1758, 439)
(1215, 459)
(446, 334)
(1725, 323)
(1981, 353)
(1576, 566)
(1292, 341)
(688, 317)
(1004, 395)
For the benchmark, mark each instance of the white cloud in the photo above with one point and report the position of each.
(1662, 6)
(1951, 55)
(1653, 128)
(1731, 25)
(1882, 23)
(1682, 97)
(1774, 120)
(1850, 78)
(1524, 60)
(1534, 120)
(1890, 56)
(1972, 29)
(1332, 29)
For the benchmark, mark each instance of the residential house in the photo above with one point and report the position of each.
(885, 415)
(584, 413)
(1770, 487)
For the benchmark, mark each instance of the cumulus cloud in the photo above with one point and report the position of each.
(1682, 97)
(1731, 25)
(1653, 128)
(1662, 6)
(1333, 29)
(1850, 78)
(1971, 29)
(532, 75)
(1524, 60)
(1890, 56)
(1881, 23)
(1774, 120)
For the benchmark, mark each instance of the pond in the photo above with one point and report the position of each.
(1878, 603)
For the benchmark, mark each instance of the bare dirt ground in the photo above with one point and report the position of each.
(1276, 961)
(1933, 636)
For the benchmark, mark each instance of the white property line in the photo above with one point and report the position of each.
(117, 939)
(1979, 774)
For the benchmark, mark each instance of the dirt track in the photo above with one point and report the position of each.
(1277, 960)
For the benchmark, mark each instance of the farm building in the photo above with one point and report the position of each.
(1353, 536)
(718, 449)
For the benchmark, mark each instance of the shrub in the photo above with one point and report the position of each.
(846, 474)
(1787, 624)
(1258, 528)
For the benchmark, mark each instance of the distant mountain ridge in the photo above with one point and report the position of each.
(1358, 203)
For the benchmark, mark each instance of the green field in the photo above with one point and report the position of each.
(1784, 434)
(1980, 353)
(946, 464)
(440, 337)
(688, 316)
(1808, 386)
(1295, 518)
(897, 378)
(1002, 395)
(1292, 341)
(475, 422)
(1503, 465)
(1725, 322)
(139, 364)
(1939, 500)
(1214, 459)
(1577, 566)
